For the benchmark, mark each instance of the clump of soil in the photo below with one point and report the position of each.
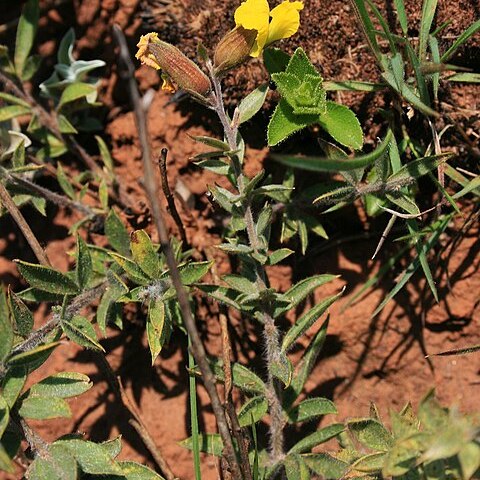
(381, 359)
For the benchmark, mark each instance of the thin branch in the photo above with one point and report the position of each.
(60, 200)
(162, 163)
(152, 188)
(13, 210)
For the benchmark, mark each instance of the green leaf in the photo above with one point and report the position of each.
(343, 125)
(275, 60)
(252, 103)
(81, 331)
(279, 255)
(354, 86)
(298, 292)
(299, 65)
(428, 12)
(240, 283)
(13, 100)
(133, 271)
(210, 443)
(65, 126)
(252, 411)
(117, 234)
(46, 278)
(21, 315)
(104, 153)
(44, 408)
(91, 458)
(310, 409)
(212, 142)
(193, 272)
(4, 415)
(284, 123)
(64, 182)
(107, 307)
(34, 356)
(58, 464)
(306, 321)
(113, 447)
(296, 468)
(325, 465)
(305, 366)
(371, 463)
(464, 37)
(75, 91)
(282, 369)
(12, 111)
(84, 268)
(158, 328)
(12, 384)
(418, 168)
(215, 165)
(371, 433)
(6, 328)
(224, 295)
(26, 31)
(320, 436)
(469, 458)
(242, 377)
(144, 253)
(134, 471)
(325, 164)
(61, 385)
(6, 464)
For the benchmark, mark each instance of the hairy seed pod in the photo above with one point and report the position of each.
(233, 49)
(179, 68)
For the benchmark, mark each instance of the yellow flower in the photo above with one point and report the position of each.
(255, 15)
(144, 54)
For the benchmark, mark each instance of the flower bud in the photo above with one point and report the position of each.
(233, 48)
(161, 55)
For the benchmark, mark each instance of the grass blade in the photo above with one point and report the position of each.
(194, 415)
(466, 35)
(413, 266)
(402, 15)
(428, 12)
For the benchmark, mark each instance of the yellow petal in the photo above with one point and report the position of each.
(285, 21)
(143, 53)
(254, 15)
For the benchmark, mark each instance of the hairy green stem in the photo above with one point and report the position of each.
(270, 332)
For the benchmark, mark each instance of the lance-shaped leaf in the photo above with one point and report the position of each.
(46, 278)
(296, 468)
(43, 408)
(281, 367)
(32, 357)
(6, 327)
(305, 367)
(158, 327)
(61, 385)
(252, 411)
(81, 331)
(330, 468)
(418, 168)
(13, 111)
(117, 234)
(26, 31)
(91, 458)
(210, 443)
(145, 254)
(306, 321)
(325, 164)
(252, 103)
(296, 294)
(310, 409)
(320, 436)
(242, 377)
(4, 415)
(133, 271)
(371, 433)
(83, 269)
(136, 471)
(76, 91)
(12, 384)
(59, 465)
